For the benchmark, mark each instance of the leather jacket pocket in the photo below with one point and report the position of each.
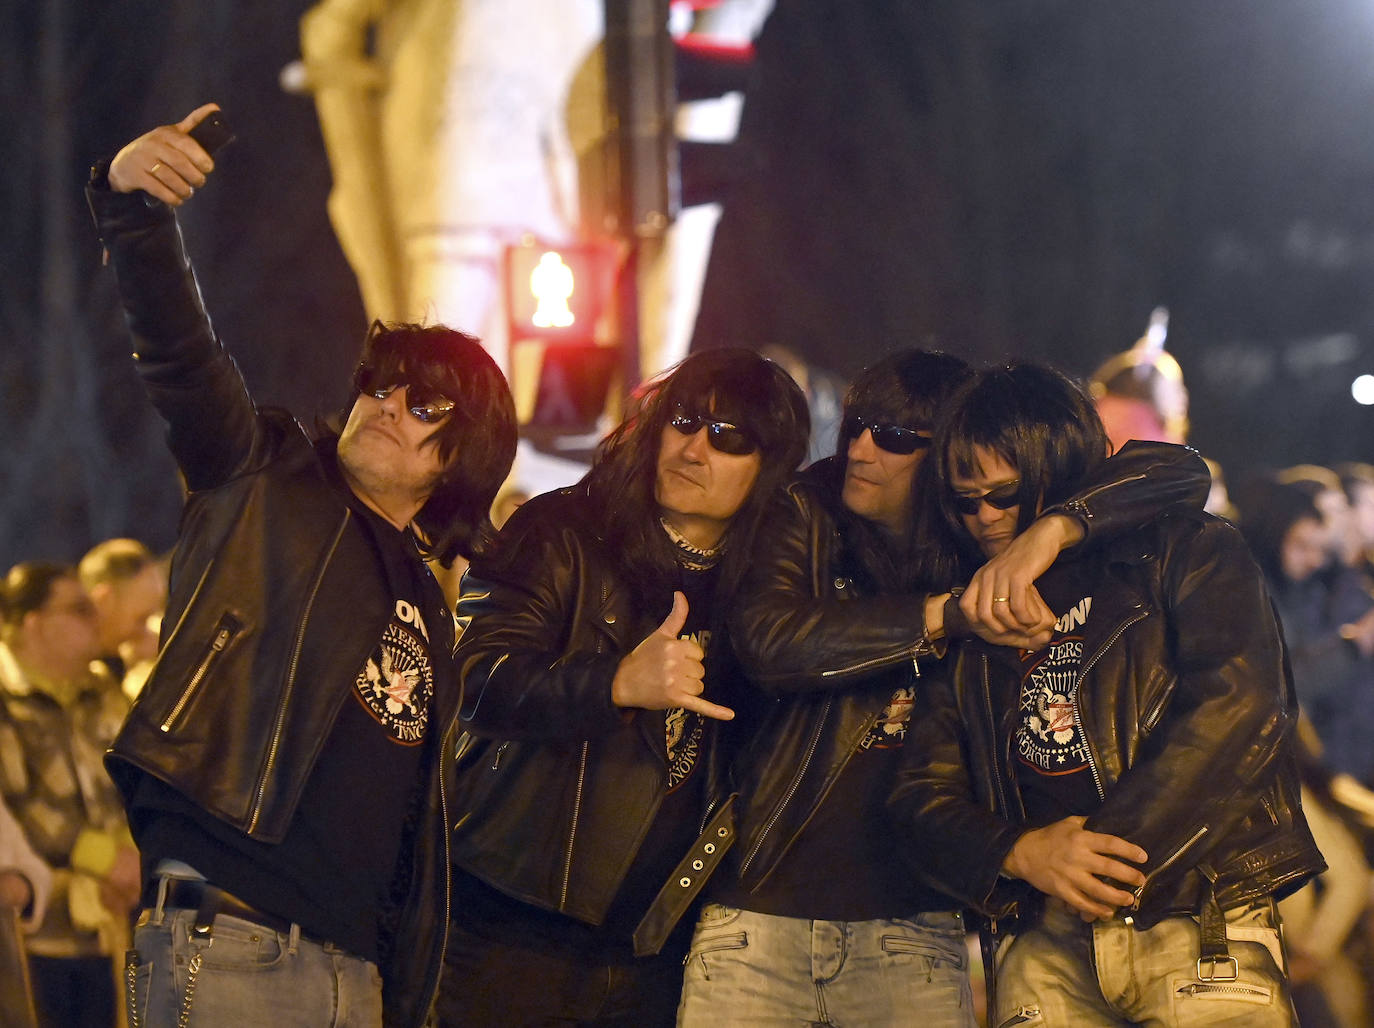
(226, 630)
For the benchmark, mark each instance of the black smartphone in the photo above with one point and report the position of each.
(213, 133)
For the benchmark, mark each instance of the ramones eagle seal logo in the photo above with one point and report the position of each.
(396, 683)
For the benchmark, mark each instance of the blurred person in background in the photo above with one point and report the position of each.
(1330, 635)
(58, 714)
(1139, 394)
(25, 884)
(1349, 590)
(25, 878)
(1357, 479)
(127, 583)
(1324, 487)
(1320, 919)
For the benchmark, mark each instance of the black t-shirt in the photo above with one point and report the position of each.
(1052, 764)
(335, 872)
(846, 864)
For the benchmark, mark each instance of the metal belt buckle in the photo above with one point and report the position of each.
(1212, 964)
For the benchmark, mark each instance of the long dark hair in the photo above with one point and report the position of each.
(742, 388)
(907, 388)
(1037, 420)
(476, 443)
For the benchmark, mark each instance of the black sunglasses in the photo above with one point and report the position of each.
(1004, 497)
(722, 435)
(424, 402)
(892, 438)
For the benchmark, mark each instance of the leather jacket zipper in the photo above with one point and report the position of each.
(581, 776)
(280, 723)
(176, 631)
(921, 649)
(496, 757)
(432, 985)
(1077, 716)
(1223, 989)
(1168, 862)
(572, 830)
(1092, 759)
(1082, 499)
(791, 788)
(997, 777)
(228, 627)
(710, 813)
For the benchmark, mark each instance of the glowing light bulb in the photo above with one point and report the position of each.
(1363, 390)
(551, 282)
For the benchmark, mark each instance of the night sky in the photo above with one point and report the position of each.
(1003, 179)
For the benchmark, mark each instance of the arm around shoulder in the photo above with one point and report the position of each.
(796, 625)
(1142, 481)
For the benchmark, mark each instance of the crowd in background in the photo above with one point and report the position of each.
(72, 640)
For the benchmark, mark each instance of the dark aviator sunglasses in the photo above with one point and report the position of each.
(892, 438)
(1004, 497)
(723, 436)
(424, 402)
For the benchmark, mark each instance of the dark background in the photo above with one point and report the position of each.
(1003, 179)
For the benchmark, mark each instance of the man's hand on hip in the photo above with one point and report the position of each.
(1067, 861)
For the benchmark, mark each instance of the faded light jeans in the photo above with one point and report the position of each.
(751, 970)
(1063, 971)
(244, 974)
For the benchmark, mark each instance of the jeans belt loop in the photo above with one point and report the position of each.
(160, 905)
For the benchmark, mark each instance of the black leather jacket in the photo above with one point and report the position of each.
(227, 717)
(1186, 703)
(559, 786)
(832, 658)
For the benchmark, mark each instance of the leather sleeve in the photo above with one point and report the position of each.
(1135, 486)
(795, 629)
(212, 428)
(948, 831)
(1209, 745)
(537, 654)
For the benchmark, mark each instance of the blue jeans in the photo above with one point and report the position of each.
(244, 974)
(748, 969)
(1062, 971)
